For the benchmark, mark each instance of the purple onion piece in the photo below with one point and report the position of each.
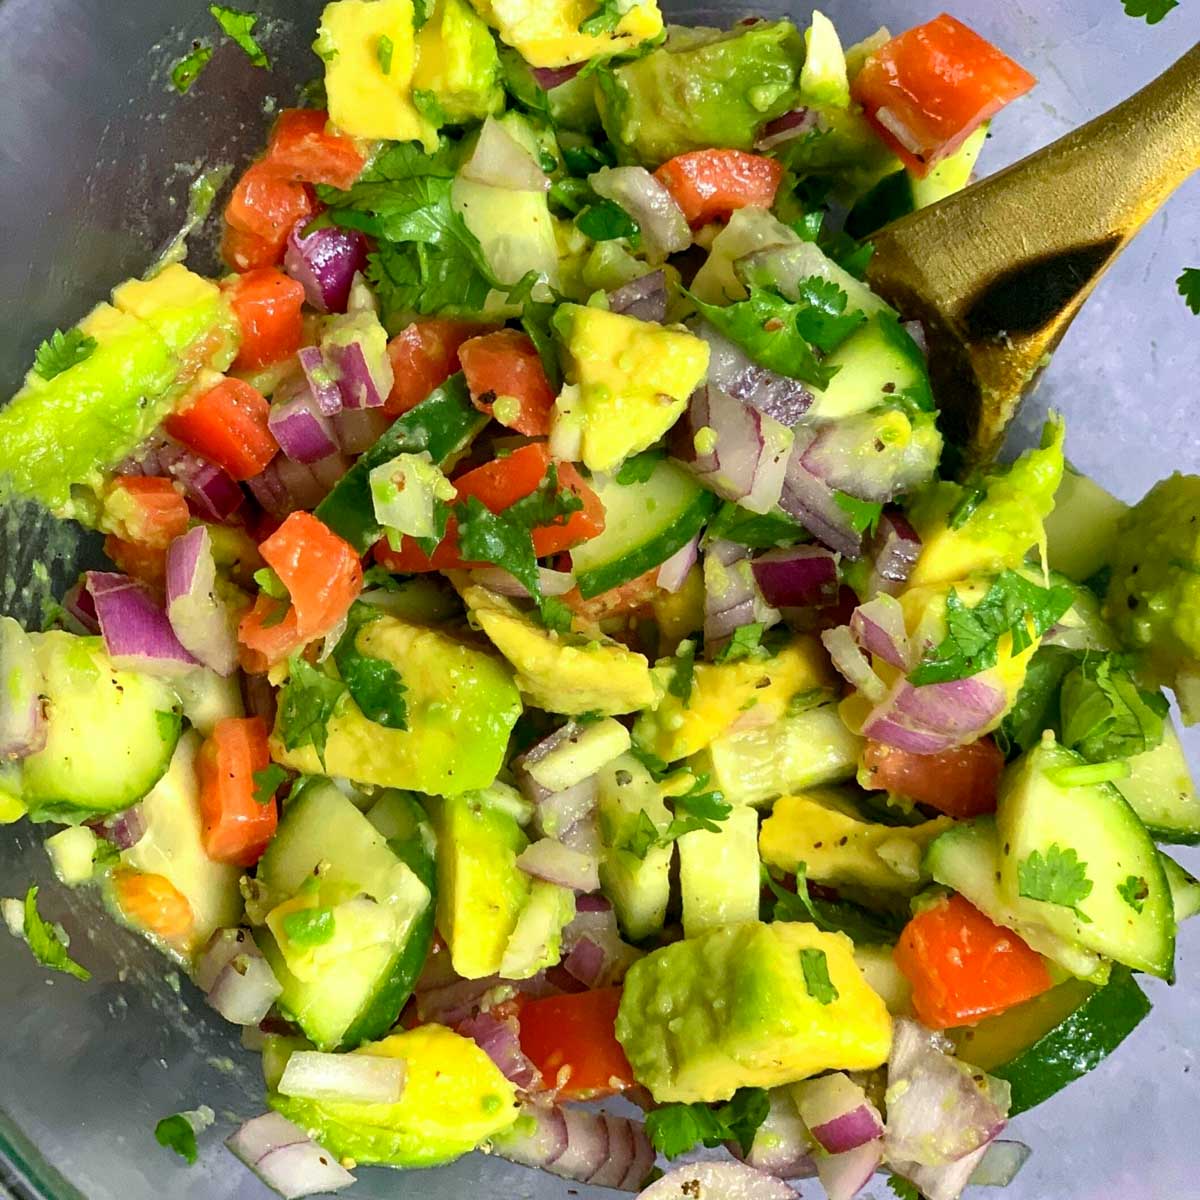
(809, 500)
(324, 263)
(644, 298)
(734, 372)
(303, 432)
(844, 1175)
(797, 577)
(792, 125)
(136, 632)
(286, 1159)
(878, 627)
(673, 573)
(549, 78)
(199, 617)
(79, 603)
(731, 596)
(499, 1038)
(860, 456)
(893, 551)
(213, 494)
(936, 716)
(124, 829)
(358, 430)
(320, 380)
(665, 230)
(555, 863)
(355, 348)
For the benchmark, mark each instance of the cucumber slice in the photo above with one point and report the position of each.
(1051, 1041)
(1159, 789)
(719, 874)
(1185, 889)
(1040, 821)
(1081, 530)
(644, 524)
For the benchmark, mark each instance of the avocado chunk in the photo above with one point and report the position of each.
(823, 80)
(182, 308)
(733, 1008)
(536, 940)
(702, 88)
(457, 64)
(456, 696)
(454, 1098)
(631, 378)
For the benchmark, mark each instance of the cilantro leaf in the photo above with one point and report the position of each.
(606, 220)
(744, 642)
(1188, 284)
(556, 615)
(176, 1133)
(864, 514)
(384, 49)
(267, 782)
(522, 86)
(641, 838)
(307, 702)
(309, 926)
(61, 351)
(822, 319)
(1152, 10)
(238, 26)
(640, 467)
(684, 673)
(604, 19)
(815, 966)
(1105, 715)
(187, 70)
(420, 12)
(758, 531)
(697, 809)
(1036, 706)
(674, 1129)
(46, 943)
(373, 683)
(974, 494)
(859, 924)
(1057, 877)
(1011, 604)
(380, 577)
(658, 768)
(902, 1188)
(1134, 890)
(584, 158)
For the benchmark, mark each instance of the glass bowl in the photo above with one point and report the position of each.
(96, 153)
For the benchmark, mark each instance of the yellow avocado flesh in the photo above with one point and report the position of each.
(547, 34)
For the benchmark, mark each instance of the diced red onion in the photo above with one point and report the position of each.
(731, 596)
(320, 380)
(123, 829)
(644, 298)
(850, 457)
(258, 697)
(542, 1144)
(358, 430)
(559, 811)
(549, 78)
(587, 1145)
(599, 930)
(1001, 1164)
(878, 627)
(797, 577)
(325, 263)
(782, 1146)
(665, 229)
(353, 1078)
(245, 990)
(934, 717)
(452, 1003)
(673, 573)
(837, 1112)
(810, 501)
(852, 664)
(221, 949)
(79, 603)
(586, 962)
(500, 161)
(286, 1159)
(916, 331)
(893, 551)
(285, 485)
(136, 632)
(945, 1182)
(796, 124)
(355, 347)
(201, 620)
(213, 495)
(551, 583)
(717, 1181)
(593, 904)
(22, 720)
(732, 370)
(844, 1175)
(303, 432)
(584, 837)
(499, 1038)
(555, 863)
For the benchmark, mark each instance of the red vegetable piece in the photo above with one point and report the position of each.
(506, 364)
(961, 782)
(267, 304)
(303, 149)
(709, 184)
(227, 425)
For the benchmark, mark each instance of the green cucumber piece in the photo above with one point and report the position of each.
(442, 424)
(1081, 529)
(1159, 789)
(719, 876)
(644, 524)
(1185, 889)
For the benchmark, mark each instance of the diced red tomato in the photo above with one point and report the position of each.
(962, 782)
(146, 509)
(227, 425)
(146, 564)
(235, 828)
(506, 364)
(929, 89)
(267, 304)
(152, 903)
(303, 149)
(323, 576)
(572, 1041)
(424, 355)
(248, 251)
(264, 208)
(709, 184)
(963, 967)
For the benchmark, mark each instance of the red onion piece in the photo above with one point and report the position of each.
(220, 950)
(285, 486)
(358, 430)
(258, 697)
(320, 380)
(245, 990)
(731, 597)
(584, 837)
(213, 494)
(673, 573)
(555, 863)
(500, 161)
(717, 1181)
(559, 811)
(452, 1003)
(552, 583)
(893, 551)
(286, 1159)
(587, 1145)
(593, 904)
(781, 1144)
(325, 262)
(79, 603)
(136, 632)
(844, 1175)
(352, 1078)
(644, 298)
(620, 1152)
(599, 930)
(852, 456)
(356, 353)
(796, 124)
(202, 621)
(499, 1038)
(732, 370)
(586, 962)
(935, 717)
(124, 829)
(303, 432)
(946, 1182)
(665, 229)
(542, 1144)
(549, 78)
(811, 501)
(878, 627)
(797, 577)
(837, 1112)
(916, 331)
(852, 664)
(22, 721)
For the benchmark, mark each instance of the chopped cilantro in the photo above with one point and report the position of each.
(1134, 891)
(974, 494)
(696, 809)
(1036, 706)
(47, 943)
(584, 158)
(684, 673)
(640, 467)
(606, 220)
(641, 838)
(1057, 877)
(187, 70)
(1105, 715)
(860, 925)
(309, 926)
(822, 318)
(556, 616)
(605, 19)
(1188, 284)
(429, 106)
(674, 1129)
(745, 641)
(758, 531)
(384, 49)
(271, 585)
(657, 767)
(306, 703)
(902, 1189)
(267, 782)
(380, 577)
(176, 1133)
(373, 683)
(1152, 10)
(420, 12)
(815, 966)
(61, 351)
(864, 514)
(239, 27)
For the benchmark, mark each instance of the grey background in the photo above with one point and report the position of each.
(95, 157)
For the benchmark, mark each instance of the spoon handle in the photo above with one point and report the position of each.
(998, 271)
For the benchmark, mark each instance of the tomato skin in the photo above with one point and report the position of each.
(146, 564)
(303, 149)
(962, 782)
(424, 355)
(152, 903)
(147, 509)
(506, 363)
(572, 1038)
(927, 90)
(261, 212)
(228, 426)
(709, 184)
(963, 967)
(235, 827)
(268, 305)
(248, 251)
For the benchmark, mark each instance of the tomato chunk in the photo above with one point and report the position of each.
(267, 304)
(235, 827)
(962, 782)
(146, 509)
(424, 355)
(146, 564)
(264, 207)
(303, 149)
(572, 1041)
(963, 967)
(228, 426)
(507, 380)
(709, 184)
(152, 903)
(929, 89)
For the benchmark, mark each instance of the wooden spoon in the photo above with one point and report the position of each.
(998, 271)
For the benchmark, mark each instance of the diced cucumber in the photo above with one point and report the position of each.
(644, 524)
(757, 765)
(1081, 529)
(536, 940)
(967, 859)
(1115, 898)
(719, 874)
(886, 980)
(1054, 1039)
(580, 755)
(71, 854)
(1185, 889)
(1159, 789)
(207, 698)
(277, 1049)
(110, 733)
(639, 888)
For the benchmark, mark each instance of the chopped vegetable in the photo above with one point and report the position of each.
(237, 822)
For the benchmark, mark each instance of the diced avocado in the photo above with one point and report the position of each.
(703, 88)
(748, 230)
(768, 1028)
(753, 766)
(457, 63)
(823, 79)
(172, 846)
(580, 755)
(632, 381)
(885, 978)
(110, 734)
(357, 39)
(456, 696)
(719, 874)
(639, 887)
(1005, 525)
(561, 672)
(967, 859)
(1160, 790)
(952, 174)
(181, 307)
(481, 890)
(822, 831)
(755, 691)
(71, 854)
(680, 614)
(454, 1098)
(1081, 530)
(548, 35)
(536, 940)
(1078, 854)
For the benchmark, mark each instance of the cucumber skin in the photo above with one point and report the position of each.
(1077, 1044)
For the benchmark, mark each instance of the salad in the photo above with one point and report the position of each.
(545, 658)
